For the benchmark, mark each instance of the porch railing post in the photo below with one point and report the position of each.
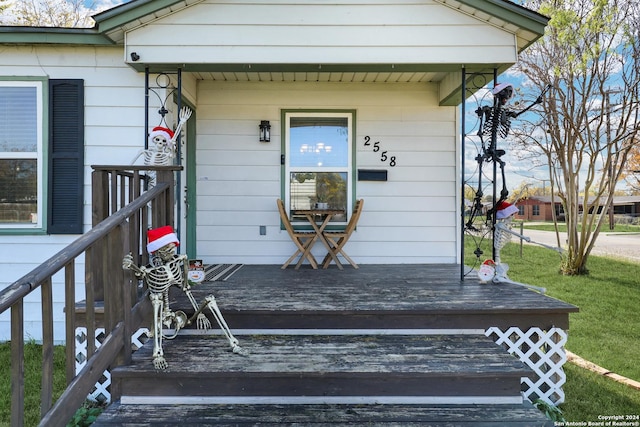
(127, 296)
(46, 393)
(17, 364)
(99, 196)
(99, 211)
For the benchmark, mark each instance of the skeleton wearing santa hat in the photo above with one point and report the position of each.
(163, 144)
(167, 269)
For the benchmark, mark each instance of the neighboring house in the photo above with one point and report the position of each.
(628, 206)
(539, 208)
(378, 82)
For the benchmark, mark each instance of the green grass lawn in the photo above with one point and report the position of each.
(589, 395)
(606, 331)
(33, 379)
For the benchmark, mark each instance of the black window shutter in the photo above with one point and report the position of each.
(66, 157)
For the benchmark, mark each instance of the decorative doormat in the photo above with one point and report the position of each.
(220, 272)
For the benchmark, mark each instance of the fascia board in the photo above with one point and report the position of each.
(292, 67)
(49, 35)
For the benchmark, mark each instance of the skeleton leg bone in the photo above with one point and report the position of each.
(159, 361)
(210, 302)
(501, 277)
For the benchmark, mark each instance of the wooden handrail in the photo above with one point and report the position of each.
(30, 281)
(130, 211)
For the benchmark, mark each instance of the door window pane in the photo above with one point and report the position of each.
(319, 141)
(319, 162)
(308, 188)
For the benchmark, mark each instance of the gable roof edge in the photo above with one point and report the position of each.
(128, 12)
(511, 12)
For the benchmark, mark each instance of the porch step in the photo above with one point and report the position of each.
(323, 415)
(457, 369)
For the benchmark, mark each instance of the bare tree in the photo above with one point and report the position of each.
(589, 60)
(3, 5)
(49, 13)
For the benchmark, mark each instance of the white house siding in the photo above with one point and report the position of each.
(114, 122)
(320, 32)
(411, 218)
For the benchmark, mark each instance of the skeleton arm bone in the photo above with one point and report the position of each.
(202, 322)
(185, 113)
(128, 264)
(506, 228)
(140, 153)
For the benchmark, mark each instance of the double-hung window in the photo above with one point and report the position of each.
(319, 152)
(21, 154)
(41, 155)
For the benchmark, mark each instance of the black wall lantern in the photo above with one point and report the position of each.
(265, 131)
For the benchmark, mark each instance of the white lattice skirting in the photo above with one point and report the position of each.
(542, 351)
(100, 392)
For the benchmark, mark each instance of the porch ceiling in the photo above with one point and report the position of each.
(340, 76)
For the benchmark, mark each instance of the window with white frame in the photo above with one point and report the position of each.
(21, 151)
(318, 170)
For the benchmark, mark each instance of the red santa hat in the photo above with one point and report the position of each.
(505, 210)
(161, 131)
(161, 236)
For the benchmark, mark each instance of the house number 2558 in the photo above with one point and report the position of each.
(375, 147)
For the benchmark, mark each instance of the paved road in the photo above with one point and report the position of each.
(618, 245)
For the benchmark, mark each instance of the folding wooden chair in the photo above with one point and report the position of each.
(302, 239)
(337, 239)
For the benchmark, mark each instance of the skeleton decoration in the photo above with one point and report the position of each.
(162, 144)
(495, 121)
(167, 269)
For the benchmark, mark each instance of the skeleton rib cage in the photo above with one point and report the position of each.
(160, 278)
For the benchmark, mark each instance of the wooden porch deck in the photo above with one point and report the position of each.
(379, 346)
(406, 296)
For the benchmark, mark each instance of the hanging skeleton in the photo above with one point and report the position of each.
(168, 269)
(496, 121)
(162, 145)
